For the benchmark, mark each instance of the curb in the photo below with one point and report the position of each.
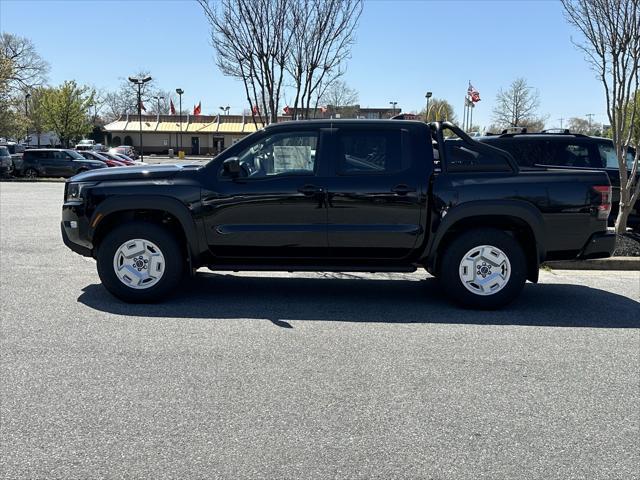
(32, 180)
(630, 264)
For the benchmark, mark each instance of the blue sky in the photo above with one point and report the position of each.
(403, 49)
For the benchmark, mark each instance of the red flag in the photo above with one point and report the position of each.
(197, 109)
(287, 110)
(255, 110)
(323, 109)
(142, 106)
(172, 106)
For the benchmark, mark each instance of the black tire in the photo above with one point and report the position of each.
(450, 265)
(30, 173)
(174, 266)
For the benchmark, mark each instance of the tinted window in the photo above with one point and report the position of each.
(463, 157)
(4, 152)
(281, 154)
(609, 157)
(372, 151)
(31, 155)
(571, 155)
(525, 153)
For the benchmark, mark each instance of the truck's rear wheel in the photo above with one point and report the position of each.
(483, 268)
(140, 262)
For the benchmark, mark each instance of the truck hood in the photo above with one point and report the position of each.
(142, 172)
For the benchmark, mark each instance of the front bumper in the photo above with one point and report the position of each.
(600, 245)
(75, 228)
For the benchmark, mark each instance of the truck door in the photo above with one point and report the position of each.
(277, 207)
(375, 192)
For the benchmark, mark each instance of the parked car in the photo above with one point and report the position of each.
(125, 158)
(6, 163)
(91, 155)
(563, 149)
(117, 158)
(55, 162)
(85, 144)
(125, 150)
(331, 195)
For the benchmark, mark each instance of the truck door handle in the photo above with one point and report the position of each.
(310, 189)
(402, 189)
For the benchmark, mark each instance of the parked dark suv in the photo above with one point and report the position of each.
(55, 162)
(564, 149)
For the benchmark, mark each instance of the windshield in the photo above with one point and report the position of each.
(75, 155)
(4, 152)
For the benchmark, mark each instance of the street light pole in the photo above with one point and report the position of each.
(427, 96)
(393, 110)
(140, 82)
(179, 91)
(26, 115)
(225, 109)
(158, 98)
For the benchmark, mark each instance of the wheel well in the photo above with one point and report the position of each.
(515, 226)
(160, 217)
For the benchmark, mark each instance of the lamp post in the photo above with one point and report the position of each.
(179, 91)
(393, 108)
(428, 96)
(225, 109)
(139, 82)
(26, 114)
(157, 98)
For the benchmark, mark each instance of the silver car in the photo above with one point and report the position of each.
(6, 163)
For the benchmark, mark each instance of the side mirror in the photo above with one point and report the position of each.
(231, 167)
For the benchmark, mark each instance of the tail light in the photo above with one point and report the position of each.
(603, 201)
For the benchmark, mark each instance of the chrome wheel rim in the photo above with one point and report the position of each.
(139, 263)
(31, 173)
(485, 270)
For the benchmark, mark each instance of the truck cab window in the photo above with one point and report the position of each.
(372, 151)
(281, 154)
(463, 157)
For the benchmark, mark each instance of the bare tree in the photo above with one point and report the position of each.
(252, 39)
(517, 106)
(124, 100)
(268, 43)
(610, 40)
(339, 94)
(27, 69)
(323, 33)
(579, 125)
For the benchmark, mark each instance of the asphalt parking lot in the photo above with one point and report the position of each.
(260, 375)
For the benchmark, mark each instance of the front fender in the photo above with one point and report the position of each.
(152, 202)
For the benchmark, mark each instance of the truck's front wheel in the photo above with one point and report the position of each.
(140, 262)
(483, 268)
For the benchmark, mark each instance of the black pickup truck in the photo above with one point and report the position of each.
(350, 195)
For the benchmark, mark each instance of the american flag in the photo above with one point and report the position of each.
(473, 94)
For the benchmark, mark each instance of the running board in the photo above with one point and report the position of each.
(315, 268)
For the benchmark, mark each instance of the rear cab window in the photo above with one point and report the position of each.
(466, 157)
(372, 151)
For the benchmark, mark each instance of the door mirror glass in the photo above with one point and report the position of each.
(231, 167)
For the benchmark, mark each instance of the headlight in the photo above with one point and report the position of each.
(75, 189)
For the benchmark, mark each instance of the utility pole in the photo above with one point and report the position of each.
(393, 110)
(139, 82)
(561, 119)
(26, 114)
(590, 116)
